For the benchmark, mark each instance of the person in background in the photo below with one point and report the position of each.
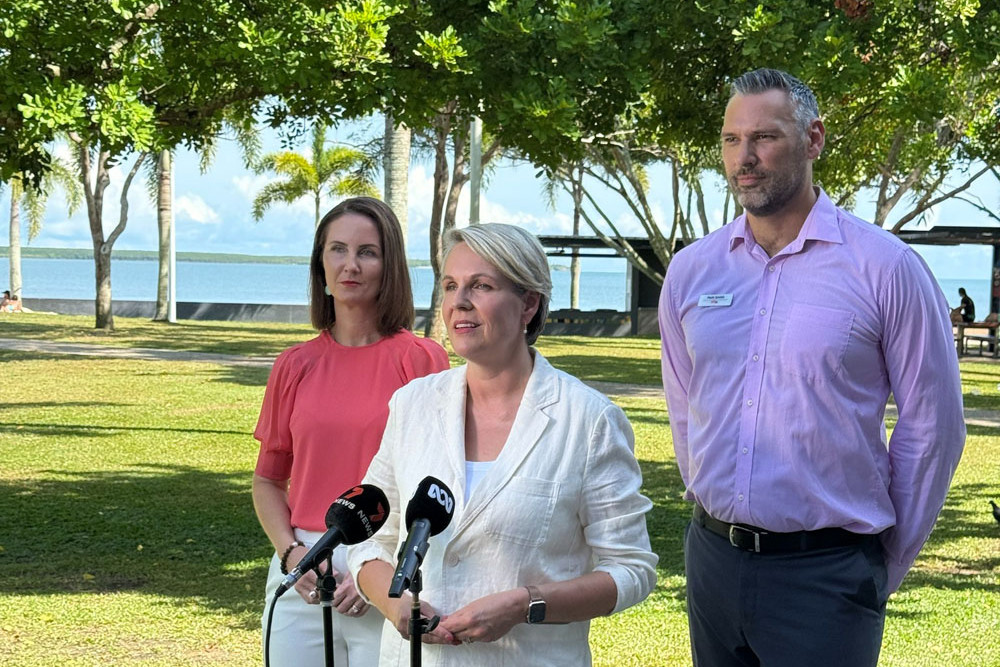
(549, 528)
(10, 304)
(322, 418)
(966, 307)
(783, 334)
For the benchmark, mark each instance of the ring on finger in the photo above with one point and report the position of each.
(355, 608)
(313, 595)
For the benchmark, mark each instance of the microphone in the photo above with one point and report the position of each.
(428, 513)
(353, 517)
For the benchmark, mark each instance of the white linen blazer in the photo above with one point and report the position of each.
(561, 500)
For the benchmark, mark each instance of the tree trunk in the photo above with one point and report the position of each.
(459, 177)
(103, 309)
(94, 195)
(15, 237)
(442, 127)
(574, 266)
(396, 166)
(164, 203)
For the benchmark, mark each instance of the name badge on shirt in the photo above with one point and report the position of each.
(715, 300)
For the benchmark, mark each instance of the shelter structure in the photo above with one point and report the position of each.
(643, 292)
(945, 235)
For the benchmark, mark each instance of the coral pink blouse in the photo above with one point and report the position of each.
(324, 411)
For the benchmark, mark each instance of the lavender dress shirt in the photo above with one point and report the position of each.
(777, 371)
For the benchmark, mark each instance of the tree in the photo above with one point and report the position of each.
(450, 130)
(94, 163)
(34, 201)
(878, 70)
(339, 171)
(134, 76)
(396, 169)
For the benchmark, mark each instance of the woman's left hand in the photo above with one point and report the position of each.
(347, 600)
(488, 618)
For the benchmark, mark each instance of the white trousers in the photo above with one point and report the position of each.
(297, 627)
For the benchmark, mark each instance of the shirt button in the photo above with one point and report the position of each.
(763, 312)
(453, 561)
(771, 269)
(740, 496)
(745, 450)
(756, 357)
(750, 402)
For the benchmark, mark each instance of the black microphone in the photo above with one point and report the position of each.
(428, 513)
(353, 517)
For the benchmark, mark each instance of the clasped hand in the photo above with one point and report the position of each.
(484, 620)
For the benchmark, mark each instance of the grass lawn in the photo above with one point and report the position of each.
(127, 534)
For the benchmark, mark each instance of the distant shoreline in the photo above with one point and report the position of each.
(152, 255)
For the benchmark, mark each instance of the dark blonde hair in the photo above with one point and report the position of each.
(394, 303)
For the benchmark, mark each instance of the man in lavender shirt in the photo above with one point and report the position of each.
(784, 334)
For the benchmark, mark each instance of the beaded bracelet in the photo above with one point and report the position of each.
(288, 552)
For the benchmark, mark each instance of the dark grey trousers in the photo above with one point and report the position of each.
(822, 608)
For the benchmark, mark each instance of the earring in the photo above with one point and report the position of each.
(326, 290)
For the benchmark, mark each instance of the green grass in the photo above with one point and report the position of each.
(127, 534)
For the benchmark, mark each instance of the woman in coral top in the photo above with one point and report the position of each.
(322, 419)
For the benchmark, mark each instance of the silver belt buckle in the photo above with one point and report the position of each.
(732, 537)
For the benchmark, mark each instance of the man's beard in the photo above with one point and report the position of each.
(771, 194)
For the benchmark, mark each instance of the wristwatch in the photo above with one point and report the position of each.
(536, 605)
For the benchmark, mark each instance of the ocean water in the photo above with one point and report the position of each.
(135, 280)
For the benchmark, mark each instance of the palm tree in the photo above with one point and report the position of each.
(34, 200)
(396, 167)
(339, 171)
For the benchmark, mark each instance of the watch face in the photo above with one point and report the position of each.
(536, 612)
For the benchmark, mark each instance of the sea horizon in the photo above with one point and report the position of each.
(287, 284)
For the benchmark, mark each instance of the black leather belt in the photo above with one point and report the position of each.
(758, 540)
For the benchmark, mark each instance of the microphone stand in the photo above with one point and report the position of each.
(418, 626)
(327, 585)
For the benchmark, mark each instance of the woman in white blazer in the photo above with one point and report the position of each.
(549, 527)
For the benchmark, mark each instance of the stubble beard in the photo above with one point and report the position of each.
(770, 195)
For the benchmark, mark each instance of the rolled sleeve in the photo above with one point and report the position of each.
(614, 511)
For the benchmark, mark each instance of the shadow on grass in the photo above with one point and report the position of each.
(661, 483)
(222, 338)
(92, 430)
(172, 531)
(247, 376)
(951, 558)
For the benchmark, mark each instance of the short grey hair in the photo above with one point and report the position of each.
(804, 105)
(519, 257)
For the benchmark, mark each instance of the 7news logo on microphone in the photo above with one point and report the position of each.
(371, 522)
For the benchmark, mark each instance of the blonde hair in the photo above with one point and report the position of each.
(518, 255)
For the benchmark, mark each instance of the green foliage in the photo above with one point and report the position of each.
(339, 171)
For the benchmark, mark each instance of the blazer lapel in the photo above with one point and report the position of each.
(525, 434)
(451, 422)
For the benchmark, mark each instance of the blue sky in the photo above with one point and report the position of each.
(213, 210)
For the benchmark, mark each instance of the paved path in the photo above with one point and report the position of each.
(973, 416)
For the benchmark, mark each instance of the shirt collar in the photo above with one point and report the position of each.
(822, 224)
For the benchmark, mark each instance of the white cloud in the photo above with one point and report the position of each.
(195, 209)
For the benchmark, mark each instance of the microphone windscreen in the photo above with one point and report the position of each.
(358, 513)
(432, 501)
